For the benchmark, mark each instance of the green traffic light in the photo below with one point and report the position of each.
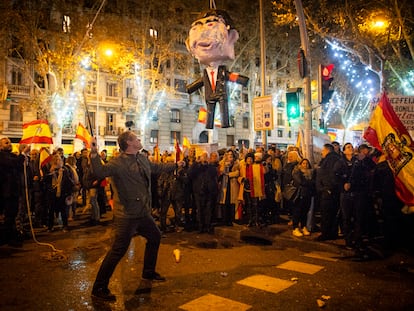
(292, 107)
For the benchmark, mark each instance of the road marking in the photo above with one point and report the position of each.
(266, 283)
(300, 267)
(322, 255)
(212, 302)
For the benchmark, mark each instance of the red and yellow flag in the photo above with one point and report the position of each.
(202, 115)
(178, 153)
(387, 133)
(186, 143)
(44, 157)
(36, 132)
(83, 134)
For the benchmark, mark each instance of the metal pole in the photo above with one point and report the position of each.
(97, 106)
(263, 64)
(307, 139)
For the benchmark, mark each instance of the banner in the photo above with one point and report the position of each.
(36, 132)
(387, 133)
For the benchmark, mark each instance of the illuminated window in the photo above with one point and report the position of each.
(175, 116)
(153, 33)
(66, 24)
(154, 137)
(110, 123)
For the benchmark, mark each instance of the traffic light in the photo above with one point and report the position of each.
(292, 105)
(325, 81)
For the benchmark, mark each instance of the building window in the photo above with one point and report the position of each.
(245, 122)
(154, 137)
(153, 115)
(110, 123)
(175, 116)
(112, 89)
(153, 33)
(66, 24)
(15, 113)
(90, 121)
(230, 140)
(179, 85)
(129, 88)
(280, 120)
(290, 134)
(91, 87)
(16, 77)
(245, 98)
(175, 135)
(279, 133)
(269, 133)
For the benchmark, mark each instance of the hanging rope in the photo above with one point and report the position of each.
(89, 28)
(212, 4)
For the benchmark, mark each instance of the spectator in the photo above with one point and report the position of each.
(71, 207)
(292, 159)
(303, 178)
(59, 187)
(229, 187)
(11, 166)
(327, 192)
(37, 205)
(204, 180)
(354, 180)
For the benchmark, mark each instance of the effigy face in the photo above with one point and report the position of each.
(211, 41)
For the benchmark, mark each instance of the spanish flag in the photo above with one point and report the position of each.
(83, 134)
(186, 143)
(36, 132)
(178, 153)
(387, 133)
(44, 157)
(202, 115)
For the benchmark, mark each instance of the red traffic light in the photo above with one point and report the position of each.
(326, 71)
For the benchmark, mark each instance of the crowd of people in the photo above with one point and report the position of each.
(348, 194)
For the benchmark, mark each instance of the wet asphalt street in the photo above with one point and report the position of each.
(233, 269)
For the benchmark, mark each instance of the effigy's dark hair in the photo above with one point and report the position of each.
(218, 13)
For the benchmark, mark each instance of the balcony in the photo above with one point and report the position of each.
(13, 126)
(19, 90)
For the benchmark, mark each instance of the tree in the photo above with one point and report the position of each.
(349, 27)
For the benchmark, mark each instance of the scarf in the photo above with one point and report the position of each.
(57, 182)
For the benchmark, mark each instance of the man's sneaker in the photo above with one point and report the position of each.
(104, 294)
(297, 232)
(305, 231)
(155, 276)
